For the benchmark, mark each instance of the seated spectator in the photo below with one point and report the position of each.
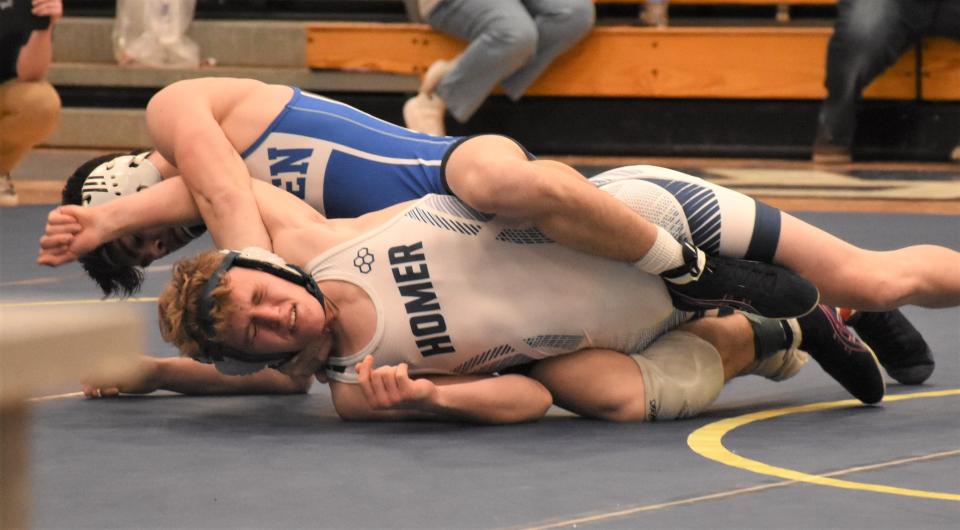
(29, 106)
(511, 42)
(869, 36)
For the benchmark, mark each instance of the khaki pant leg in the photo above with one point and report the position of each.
(29, 112)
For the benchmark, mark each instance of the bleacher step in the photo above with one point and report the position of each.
(230, 42)
(100, 128)
(83, 74)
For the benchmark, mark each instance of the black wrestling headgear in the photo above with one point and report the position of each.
(230, 361)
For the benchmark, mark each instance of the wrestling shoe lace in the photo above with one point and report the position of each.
(751, 286)
(901, 349)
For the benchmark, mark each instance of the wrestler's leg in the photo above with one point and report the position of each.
(720, 220)
(493, 174)
(733, 338)
(601, 384)
(849, 276)
(876, 283)
(682, 372)
(685, 372)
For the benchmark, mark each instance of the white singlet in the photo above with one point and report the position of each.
(457, 292)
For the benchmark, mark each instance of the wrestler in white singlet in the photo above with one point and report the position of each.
(449, 278)
(457, 292)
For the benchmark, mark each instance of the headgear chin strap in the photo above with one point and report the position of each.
(230, 361)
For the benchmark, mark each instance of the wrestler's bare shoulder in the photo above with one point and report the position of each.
(226, 93)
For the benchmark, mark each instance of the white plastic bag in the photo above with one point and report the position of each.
(153, 33)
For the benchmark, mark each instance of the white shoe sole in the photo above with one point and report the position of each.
(435, 74)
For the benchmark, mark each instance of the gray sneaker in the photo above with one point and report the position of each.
(8, 195)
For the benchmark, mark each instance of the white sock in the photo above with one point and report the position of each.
(665, 254)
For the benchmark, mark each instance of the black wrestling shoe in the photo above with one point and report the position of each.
(841, 353)
(898, 345)
(710, 282)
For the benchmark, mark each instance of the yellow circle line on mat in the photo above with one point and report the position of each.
(707, 441)
(42, 303)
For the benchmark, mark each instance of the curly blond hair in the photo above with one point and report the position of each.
(179, 303)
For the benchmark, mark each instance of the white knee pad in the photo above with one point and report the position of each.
(682, 376)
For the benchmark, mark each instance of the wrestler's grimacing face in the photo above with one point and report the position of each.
(270, 314)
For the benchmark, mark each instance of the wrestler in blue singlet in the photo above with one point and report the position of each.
(345, 162)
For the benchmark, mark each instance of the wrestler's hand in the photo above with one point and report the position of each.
(71, 232)
(390, 387)
(144, 380)
(310, 361)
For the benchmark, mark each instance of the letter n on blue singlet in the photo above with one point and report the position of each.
(285, 165)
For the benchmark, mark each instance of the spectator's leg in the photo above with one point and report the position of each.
(946, 23)
(869, 36)
(28, 114)
(502, 38)
(945, 20)
(560, 25)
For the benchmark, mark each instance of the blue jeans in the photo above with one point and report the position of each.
(511, 42)
(868, 37)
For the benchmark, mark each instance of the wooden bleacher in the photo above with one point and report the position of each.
(673, 62)
(375, 66)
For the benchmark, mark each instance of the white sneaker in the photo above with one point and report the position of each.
(435, 74)
(424, 113)
(8, 195)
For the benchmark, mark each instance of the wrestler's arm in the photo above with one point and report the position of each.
(184, 123)
(174, 205)
(167, 203)
(73, 231)
(187, 376)
(388, 393)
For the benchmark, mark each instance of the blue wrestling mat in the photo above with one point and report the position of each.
(796, 454)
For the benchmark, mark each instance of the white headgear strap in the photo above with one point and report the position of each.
(120, 177)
